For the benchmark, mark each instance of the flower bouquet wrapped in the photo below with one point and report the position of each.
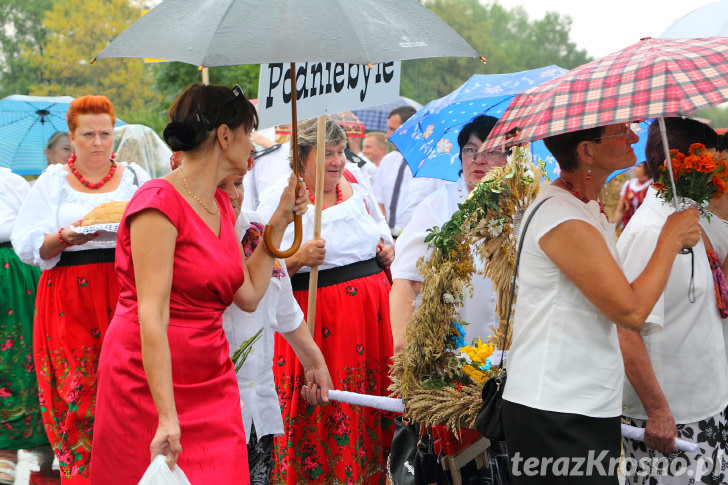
(700, 175)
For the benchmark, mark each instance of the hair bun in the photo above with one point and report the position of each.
(180, 136)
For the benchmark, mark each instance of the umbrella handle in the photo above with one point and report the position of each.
(297, 226)
(297, 237)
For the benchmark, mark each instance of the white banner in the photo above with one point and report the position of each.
(324, 88)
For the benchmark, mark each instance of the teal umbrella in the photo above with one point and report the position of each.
(26, 124)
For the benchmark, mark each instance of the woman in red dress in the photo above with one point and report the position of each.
(166, 383)
(632, 195)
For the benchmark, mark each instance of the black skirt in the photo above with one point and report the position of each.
(547, 447)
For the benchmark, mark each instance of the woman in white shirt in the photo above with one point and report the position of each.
(477, 311)
(338, 443)
(563, 397)
(277, 312)
(78, 289)
(678, 377)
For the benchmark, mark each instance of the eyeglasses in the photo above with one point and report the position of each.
(471, 152)
(629, 128)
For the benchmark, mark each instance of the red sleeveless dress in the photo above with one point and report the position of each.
(207, 271)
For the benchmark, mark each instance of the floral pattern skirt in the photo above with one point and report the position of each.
(338, 443)
(645, 466)
(74, 307)
(20, 422)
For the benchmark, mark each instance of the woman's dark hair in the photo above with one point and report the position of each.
(722, 142)
(200, 109)
(479, 126)
(681, 133)
(563, 146)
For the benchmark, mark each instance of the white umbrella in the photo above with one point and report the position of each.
(709, 20)
(230, 32)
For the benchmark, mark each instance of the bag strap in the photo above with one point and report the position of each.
(513, 281)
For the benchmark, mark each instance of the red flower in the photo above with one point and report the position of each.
(7, 345)
(720, 186)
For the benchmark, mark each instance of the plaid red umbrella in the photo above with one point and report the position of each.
(653, 78)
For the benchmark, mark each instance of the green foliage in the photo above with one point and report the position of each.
(74, 32)
(171, 78)
(508, 39)
(22, 29)
(717, 116)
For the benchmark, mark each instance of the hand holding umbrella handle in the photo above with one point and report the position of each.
(297, 237)
(297, 226)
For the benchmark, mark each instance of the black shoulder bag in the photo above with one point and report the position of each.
(490, 419)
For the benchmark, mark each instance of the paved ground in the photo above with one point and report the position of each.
(27, 462)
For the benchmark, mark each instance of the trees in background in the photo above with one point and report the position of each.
(508, 39)
(22, 29)
(77, 30)
(45, 46)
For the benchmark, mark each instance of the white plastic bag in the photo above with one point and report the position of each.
(159, 473)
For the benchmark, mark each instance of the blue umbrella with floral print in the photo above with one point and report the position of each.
(428, 140)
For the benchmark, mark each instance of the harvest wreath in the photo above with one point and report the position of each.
(437, 382)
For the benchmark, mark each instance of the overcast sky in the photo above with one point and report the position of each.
(604, 27)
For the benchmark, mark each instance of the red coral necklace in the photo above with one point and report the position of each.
(82, 179)
(339, 195)
(570, 187)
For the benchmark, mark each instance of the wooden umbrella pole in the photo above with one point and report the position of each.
(297, 225)
(318, 208)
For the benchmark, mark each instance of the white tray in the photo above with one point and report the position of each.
(96, 228)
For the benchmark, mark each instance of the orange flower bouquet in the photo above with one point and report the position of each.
(699, 176)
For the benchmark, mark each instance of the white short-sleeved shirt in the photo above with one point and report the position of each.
(688, 355)
(479, 310)
(52, 203)
(412, 190)
(13, 191)
(352, 229)
(565, 354)
(269, 173)
(277, 311)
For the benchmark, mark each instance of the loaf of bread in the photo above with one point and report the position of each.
(106, 213)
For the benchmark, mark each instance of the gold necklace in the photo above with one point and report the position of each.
(194, 196)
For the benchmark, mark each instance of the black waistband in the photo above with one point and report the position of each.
(89, 256)
(334, 276)
(5, 244)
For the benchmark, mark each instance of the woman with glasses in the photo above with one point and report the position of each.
(166, 383)
(563, 398)
(677, 377)
(479, 310)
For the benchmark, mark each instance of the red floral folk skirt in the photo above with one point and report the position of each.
(74, 307)
(338, 443)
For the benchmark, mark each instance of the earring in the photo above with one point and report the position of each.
(588, 174)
